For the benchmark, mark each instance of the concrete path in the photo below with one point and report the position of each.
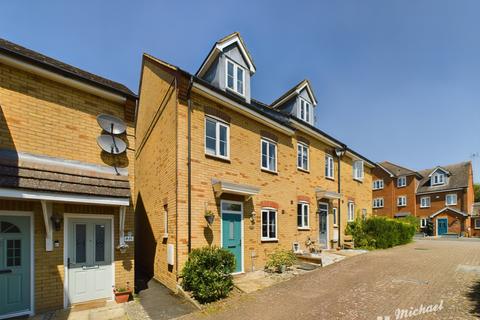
(160, 303)
(425, 275)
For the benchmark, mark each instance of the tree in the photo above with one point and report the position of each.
(476, 189)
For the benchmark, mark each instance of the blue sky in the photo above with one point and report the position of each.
(395, 80)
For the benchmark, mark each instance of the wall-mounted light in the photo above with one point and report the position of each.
(253, 216)
(57, 221)
(339, 152)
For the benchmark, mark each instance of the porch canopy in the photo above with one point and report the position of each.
(402, 214)
(452, 210)
(221, 186)
(25, 176)
(325, 194)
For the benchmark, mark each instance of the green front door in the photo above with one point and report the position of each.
(14, 265)
(442, 226)
(232, 231)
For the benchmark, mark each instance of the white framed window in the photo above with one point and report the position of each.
(378, 203)
(438, 179)
(303, 209)
(305, 111)
(329, 167)
(351, 211)
(235, 77)
(451, 199)
(425, 202)
(269, 224)
(476, 223)
(358, 170)
(401, 181)
(216, 138)
(402, 201)
(165, 222)
(378, 184)
(302, 156)
(423, 223)
(335, 217)
(269, 155)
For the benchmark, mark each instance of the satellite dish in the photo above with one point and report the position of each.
(111, 144)
(111, 124)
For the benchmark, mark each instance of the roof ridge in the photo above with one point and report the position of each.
(389, 162)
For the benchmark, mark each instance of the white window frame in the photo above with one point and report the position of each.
(350, 211)
(454, 195)
(475, 223)
(303, 147)
(358, 170)
(423, 222)
(401, 203)
(218, 124)
(378, 184)
(329, 167)
(378, 203)
(268, 238)
(308, 110)
(304, 205)
(268, 142)
(236, 66)
(165, 222)
(401, 182)
(335, 217)
(436, 181)
(428, 199)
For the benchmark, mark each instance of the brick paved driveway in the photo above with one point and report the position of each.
(371, 285)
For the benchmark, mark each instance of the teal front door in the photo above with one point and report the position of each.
(15, 265)
(232, 231)
(442, 226)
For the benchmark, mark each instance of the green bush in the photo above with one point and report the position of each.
(280, 258)
(381, 233)
(208, 273)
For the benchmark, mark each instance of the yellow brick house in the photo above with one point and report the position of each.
(270, 177)
(65, 205)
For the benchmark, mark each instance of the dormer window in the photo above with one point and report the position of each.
(305, 111)
(438, 179)
(235, 78)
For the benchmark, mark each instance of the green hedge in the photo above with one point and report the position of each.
(382, 233)
(208, 273)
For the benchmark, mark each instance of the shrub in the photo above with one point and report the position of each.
(381, 233)
(280, 258)
(208, 273)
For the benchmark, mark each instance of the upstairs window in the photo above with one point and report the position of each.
(377, 184)
(302, 215)
(329, 167)
(402, 201)
(216, 138)
(401, 182)
(235, 78)
(358, 170)
(425, 202)
(302, 156)
(451, 199)
(269, 155)
(378, 203)
(438, 179)
(305, 112)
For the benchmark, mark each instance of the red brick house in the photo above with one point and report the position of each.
(443, 195)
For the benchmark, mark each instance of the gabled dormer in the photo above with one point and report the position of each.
(229, 66)
(439, 176)
(299, 102)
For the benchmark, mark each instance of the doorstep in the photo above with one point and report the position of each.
(108, 310)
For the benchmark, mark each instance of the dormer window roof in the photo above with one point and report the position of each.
(295, 91)
(438, 176)
(218, 48)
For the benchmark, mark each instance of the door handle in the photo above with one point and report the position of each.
(5, 271)
(231, 246)
(90, 267)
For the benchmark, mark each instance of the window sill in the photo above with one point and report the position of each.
(235, 92)
(269, 240)
(424, 207)
(303, 170)
(377, 189)
(377, 207)
(398, 187)
(214, 157)
(348, 221)
(269, 171)
(358, 180)
(402, 206)
(449, 205)
(303, 228)
(330, 178)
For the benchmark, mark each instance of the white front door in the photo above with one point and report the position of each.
(89, 259)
